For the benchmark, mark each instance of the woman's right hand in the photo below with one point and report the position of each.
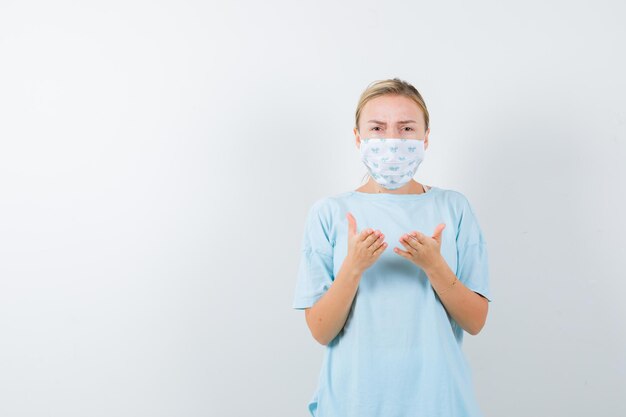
(365, 247)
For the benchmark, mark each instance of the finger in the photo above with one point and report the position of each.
(412, 241)
(351, 224)
(421, 238)
(402, 253)
(380, 249)
(377, 242)
(372, 238)
(438, 231)
(365, 234)
(408, 247)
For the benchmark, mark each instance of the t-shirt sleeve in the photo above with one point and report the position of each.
(315, 269)
(473, 262)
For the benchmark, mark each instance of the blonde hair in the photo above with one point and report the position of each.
(391, 86)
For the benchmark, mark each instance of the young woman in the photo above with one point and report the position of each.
(392, 319)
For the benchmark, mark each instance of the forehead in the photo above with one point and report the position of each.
(391, 107)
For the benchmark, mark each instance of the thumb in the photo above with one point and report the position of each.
(351, 224)
(438, 230)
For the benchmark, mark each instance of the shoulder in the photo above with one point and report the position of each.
(468, 229)
(455, 200)
(327, 211)
(330, 205)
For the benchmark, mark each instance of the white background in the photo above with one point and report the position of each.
(157, 160)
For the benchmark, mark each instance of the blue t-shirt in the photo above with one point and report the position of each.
(399, 353)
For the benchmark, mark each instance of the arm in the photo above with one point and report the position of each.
(468, 308)
(328, 315)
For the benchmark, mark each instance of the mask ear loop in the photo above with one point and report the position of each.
(366, 175)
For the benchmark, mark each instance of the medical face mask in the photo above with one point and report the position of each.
(392, 162)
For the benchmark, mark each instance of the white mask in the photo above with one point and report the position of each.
(392, 162)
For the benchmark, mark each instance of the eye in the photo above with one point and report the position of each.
(410, 128)
(375, 127)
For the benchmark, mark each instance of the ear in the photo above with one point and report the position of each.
(426, 138)
(357, 138)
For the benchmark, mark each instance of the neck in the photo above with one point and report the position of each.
(411, 187)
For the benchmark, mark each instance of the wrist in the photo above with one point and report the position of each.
(350, 271)
(438, 265)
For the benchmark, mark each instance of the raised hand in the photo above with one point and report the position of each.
(422, 250)
(365, 247)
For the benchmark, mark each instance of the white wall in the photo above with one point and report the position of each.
(157, 161)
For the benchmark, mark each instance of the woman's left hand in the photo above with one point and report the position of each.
(422, 250)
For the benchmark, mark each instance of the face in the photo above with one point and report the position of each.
(391, 116)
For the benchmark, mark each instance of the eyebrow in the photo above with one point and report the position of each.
(401, 122)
